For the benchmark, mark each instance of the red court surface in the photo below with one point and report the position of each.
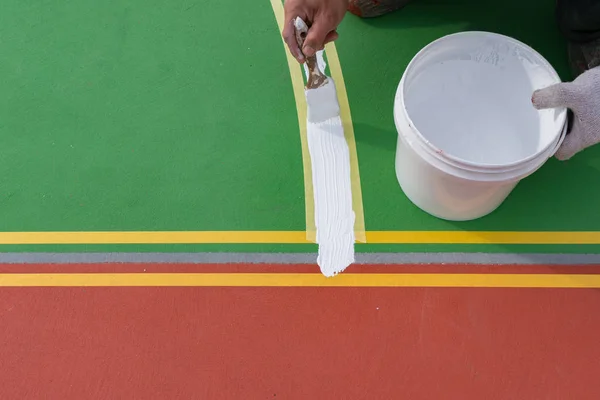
(298, 342)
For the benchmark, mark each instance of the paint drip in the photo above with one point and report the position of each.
(330, 161)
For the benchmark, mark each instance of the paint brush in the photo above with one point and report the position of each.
(330, 165)
(321, 96)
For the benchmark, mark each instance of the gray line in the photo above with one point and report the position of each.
(299, 258)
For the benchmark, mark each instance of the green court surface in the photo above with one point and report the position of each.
(176, 115)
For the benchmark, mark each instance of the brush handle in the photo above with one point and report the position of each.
(316, 78)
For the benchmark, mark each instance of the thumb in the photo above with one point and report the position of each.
(558, 95)
(315, 39)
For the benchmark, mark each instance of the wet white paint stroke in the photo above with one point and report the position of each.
(330, 161)
(334, 217)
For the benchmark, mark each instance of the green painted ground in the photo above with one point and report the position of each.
(146, 115)
(156, 115)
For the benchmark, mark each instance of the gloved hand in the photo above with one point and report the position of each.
(582, 96)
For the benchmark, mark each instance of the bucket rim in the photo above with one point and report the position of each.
(444, 165)
(400, 95)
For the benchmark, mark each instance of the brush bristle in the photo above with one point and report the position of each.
(322, 103)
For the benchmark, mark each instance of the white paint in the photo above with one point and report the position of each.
(468, 110)
(334, 217)
(323, 103)
(467, 129)
(300, 25)
(330, 163)
(471, 99)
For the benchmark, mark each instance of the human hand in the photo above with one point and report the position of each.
(322, 17)
(582, 96)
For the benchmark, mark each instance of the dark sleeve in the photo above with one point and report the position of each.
(579, 20)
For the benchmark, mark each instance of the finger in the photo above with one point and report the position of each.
(331, 37)
(573, 144)
(315, 39)
(559, 95)
(289, 36)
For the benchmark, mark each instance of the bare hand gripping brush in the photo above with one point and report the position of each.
(321, 96)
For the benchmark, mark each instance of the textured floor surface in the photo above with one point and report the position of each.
(299, 342)
(152, 217)
(158, 116)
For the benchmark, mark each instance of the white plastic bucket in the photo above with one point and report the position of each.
(467, 131)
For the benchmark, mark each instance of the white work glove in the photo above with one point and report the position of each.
(582, 96)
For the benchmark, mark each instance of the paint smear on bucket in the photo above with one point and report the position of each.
(330, 161)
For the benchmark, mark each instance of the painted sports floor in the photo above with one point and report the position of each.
(153, 208)
(199, 335)
(164, 122)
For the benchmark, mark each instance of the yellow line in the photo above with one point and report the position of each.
(295, 237)
(465, 237)
(304, 280)
(357, 202)
(298, 87)
(218, 237)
